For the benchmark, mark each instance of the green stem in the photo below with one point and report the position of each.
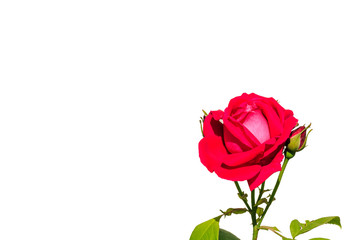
(274, 191)
(241, 193)
(253, 198)
(252, 213)
(255, 232)
(261, 192)
(253, 216)
(254, 208)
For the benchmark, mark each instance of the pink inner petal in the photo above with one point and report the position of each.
(257, 124)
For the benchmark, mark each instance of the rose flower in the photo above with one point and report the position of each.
(246, 140)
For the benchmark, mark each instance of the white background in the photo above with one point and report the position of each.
(100, 102)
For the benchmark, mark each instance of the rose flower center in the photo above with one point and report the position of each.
(256, 123)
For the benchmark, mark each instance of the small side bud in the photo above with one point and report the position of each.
(298, 138)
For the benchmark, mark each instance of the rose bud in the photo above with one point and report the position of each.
(298, 138)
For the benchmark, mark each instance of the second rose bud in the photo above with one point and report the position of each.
(297, 140)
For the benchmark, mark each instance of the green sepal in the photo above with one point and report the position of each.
(307, 134)
(201, 128)
(202, 119)
(289, 154)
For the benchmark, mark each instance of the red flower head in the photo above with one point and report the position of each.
(246, 141)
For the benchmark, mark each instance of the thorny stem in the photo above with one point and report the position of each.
(253, 215)
(241, 193)
(261, 192)
(274, 191)
(252, 210)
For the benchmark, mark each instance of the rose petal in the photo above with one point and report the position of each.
(237, 137)
(275, 125)
(288, 114)
(290, 123)
(269, 143)
(234, 144)
(278, 109)
(212, 125)
(244, 98)
(236, 101)
(266, 171)
(238, 174)
(211, 152)
(271, 153)
(237, 159)
(258, 125)
(217, 114)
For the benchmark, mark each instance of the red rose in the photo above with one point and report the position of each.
(246, 141)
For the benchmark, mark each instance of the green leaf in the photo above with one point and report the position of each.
(230, 211)
(298, 228)
(274, 230)
(318, 222)
(243, 196)
(226, 235)
(259, 211)
(295, 227)
(319, 239)
(206, 230)
(261, 201)
(239, 210)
